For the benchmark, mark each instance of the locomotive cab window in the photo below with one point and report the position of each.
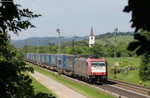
(98, 63)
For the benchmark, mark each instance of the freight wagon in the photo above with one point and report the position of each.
(53, 62)
(69, 65)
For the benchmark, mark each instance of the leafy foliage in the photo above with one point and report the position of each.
(75, 51)
(14, 19)
(81, 47)
(97, 50)
(140, 14)
(141, 21)
(144, 72)
(13, 82)
(141, 43)
(110, 35)
(124, 67)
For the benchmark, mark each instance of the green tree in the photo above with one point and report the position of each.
(108, 50)
(75, 51)
(13, 83)
(142, 47)
(28, 49)
(97, 50)
(140, 14)
(141, 43)
(122, 50)
(14, 19)
(141, 22)
(144, 71)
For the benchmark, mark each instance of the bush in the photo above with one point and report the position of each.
(124, 67)
(144, 71)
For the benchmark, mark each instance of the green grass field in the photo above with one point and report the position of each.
(38, 87)
(84, 89)
(135, 61)
(131, 76)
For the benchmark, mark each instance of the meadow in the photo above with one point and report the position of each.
(129, 76)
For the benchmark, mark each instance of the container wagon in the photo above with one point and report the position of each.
(53, 62)
(48, 61)
(69, 64)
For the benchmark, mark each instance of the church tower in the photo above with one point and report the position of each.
(91, 39)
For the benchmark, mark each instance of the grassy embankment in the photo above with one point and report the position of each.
(84, 89)
(38, 87)
(131, 76)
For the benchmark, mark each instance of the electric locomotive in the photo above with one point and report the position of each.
(91, 69)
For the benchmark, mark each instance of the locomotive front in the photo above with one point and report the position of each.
(97, 70)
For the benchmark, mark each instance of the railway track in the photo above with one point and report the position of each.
(137, 88)
(116, 88)
(126, 89)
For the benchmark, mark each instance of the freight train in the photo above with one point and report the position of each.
(90, 69)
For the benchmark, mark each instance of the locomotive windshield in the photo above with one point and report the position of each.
(98, 63)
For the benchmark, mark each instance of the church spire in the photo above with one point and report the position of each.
(91, 32)
(91, 38)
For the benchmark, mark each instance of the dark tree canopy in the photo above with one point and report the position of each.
(14, 19)
(141, 44)
(144, 71)
(13, 82)
(140, 10)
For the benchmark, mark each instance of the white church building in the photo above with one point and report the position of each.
(91, 39)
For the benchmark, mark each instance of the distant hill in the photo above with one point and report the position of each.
(34, 41)
(107, 38)
(110, 35)
(126, 39)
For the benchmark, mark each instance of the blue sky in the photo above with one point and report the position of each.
(75, 17)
